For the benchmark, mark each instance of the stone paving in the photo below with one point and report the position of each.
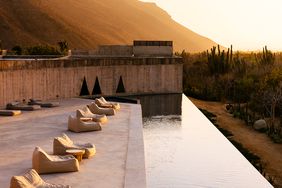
(119, 161)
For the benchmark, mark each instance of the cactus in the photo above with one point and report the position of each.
(266, 58)
(220, 62)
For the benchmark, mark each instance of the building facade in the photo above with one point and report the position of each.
(84, 74)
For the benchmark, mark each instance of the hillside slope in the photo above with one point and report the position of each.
(88, 23)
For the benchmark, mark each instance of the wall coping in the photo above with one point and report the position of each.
(17, 64)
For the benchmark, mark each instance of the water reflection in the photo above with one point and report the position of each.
(170, 122)
(161, 105)
(187, 151)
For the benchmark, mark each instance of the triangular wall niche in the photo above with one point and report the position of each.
(97, 89)
(120, 88)
(84, 88)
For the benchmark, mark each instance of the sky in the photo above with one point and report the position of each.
(246, 24)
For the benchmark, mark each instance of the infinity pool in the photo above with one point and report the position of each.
(185, 150)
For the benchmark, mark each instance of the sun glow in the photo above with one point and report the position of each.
(248, 25)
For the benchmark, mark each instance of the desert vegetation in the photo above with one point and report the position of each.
(249, 83)
(60, 49)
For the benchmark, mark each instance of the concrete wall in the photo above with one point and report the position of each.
(158, 105)
(115, 50)
(152, 50)
(127, 51)
(49, 79)
(83, 52)
(106, 50)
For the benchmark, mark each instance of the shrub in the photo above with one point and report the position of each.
(42, 50)
(17, 50)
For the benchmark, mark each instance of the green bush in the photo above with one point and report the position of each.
(42, 50)
(17, 50)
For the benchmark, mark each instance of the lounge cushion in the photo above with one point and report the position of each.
(43, 103)
(86, 113)
(83, 124)
(10, 112)
(20, 106)
(101, 102)
(44, 163)
(61, 144)
(32, 180)
(95, 109)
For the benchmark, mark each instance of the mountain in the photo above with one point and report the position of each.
(84, 24)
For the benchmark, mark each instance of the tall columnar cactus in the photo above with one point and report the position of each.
(267, 57)
(220, 62)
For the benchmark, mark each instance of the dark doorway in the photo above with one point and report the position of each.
(120, 88)
(97, 88)
(84, 88)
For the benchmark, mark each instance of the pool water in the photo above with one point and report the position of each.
(185, 150)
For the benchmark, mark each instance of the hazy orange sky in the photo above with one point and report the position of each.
(247, 24)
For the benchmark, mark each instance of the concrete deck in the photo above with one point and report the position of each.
(119, 161)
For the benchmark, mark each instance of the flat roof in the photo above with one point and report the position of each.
(119, 161)
(85, 61)
(152, 43)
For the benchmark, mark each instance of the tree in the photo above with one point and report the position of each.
(42, 50)
(63, 45)
(17, 49)
(272, 94)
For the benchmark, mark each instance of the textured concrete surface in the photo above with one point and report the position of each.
(119, 161)
(52, 79)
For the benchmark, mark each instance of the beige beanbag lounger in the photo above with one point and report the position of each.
(95, 109)
(86, 113)
(83, 125)
(43, 103)
(44, 163)
(20, 106)
(32, 180)
(101, 102)
(61, 144)
(10, 112)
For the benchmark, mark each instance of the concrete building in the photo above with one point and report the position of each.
(138, 49)
(108, 70)
(153, 48)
